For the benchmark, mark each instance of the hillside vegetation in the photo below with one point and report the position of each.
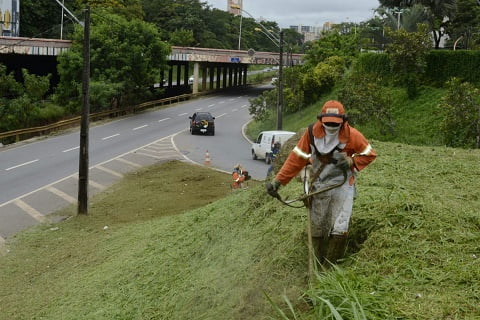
(144, 252)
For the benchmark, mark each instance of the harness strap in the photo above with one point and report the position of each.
(324, 158)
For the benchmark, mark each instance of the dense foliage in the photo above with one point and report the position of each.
(126, 59)
(23, 105)
(407, 54)
(460, 108)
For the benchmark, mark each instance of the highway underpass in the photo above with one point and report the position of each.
(214, 68)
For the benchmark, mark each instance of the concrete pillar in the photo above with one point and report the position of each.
(196, 75)
(219, 71)
(225, 68)
(204, 77)
(185, 74)
(211, 71)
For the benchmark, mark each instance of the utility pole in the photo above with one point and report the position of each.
(280, 84)
(84, 124)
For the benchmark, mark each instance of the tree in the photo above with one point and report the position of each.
(126, 56)
(182, 37)
(368, 102)
(333, 44)
(9, 90)
(26, 106)
(460, 108)
(42, 18)
(407, 54)
(130, 9)
(407, 19)
(171, 15)
(439, 12)
(465, 27)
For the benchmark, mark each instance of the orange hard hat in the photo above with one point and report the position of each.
(332, 111)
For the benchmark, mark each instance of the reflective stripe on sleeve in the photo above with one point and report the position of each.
(301, 154)
(365, 152)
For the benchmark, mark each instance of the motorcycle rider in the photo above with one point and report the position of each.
(333, 147)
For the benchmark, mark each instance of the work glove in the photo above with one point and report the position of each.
(272, 188)
(345, 163)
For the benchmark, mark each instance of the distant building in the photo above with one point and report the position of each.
(328, 26)
(235, 3)
(309, 33)
(10, 18)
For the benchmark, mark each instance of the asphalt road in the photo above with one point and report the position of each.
(40, 177)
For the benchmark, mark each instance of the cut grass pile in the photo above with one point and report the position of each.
(181, 245)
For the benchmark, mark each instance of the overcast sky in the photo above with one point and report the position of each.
(305, 12)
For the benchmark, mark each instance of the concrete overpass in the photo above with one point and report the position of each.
(214, 68)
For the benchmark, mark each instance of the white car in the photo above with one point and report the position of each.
(262, 146)
(190, 80)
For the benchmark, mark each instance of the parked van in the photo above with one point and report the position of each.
(262, 146)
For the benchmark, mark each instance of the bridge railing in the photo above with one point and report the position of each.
(63, 124)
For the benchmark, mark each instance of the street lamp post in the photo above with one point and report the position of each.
(240, 33)
(280, 85)
(279, 43)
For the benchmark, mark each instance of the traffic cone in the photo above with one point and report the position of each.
(207, 159)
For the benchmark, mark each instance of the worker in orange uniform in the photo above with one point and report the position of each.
(333, 147)
(238, 176)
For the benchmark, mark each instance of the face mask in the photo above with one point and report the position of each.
(331, 130)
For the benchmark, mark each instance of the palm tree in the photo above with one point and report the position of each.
(407, 18)
(436, 13)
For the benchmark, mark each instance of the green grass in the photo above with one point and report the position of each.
(173, 241)
(416, 120)
(181, 245)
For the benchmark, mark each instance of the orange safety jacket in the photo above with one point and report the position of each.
(356, 146)
(238, 179)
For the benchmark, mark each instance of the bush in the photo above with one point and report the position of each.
(322, 78)
(367, 102)
(48, 113)
(461, 115)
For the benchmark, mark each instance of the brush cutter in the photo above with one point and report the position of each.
(306, 202)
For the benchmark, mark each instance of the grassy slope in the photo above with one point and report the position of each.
(413, 242)
(416, 121)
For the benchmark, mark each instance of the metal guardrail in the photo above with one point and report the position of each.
(36, 131)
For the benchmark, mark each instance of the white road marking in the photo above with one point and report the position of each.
(182, 114)
(244, 106)
(130, 163)
(163, 119)
(92, 183)
(112, 172)
(96, 185)
(21, 165)
(141, 127)
(147, 155)
(220, 115)
(234, 110)
(212, 105)
(71, 149)
(28, 209)
(110, 137)
(62, 194)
